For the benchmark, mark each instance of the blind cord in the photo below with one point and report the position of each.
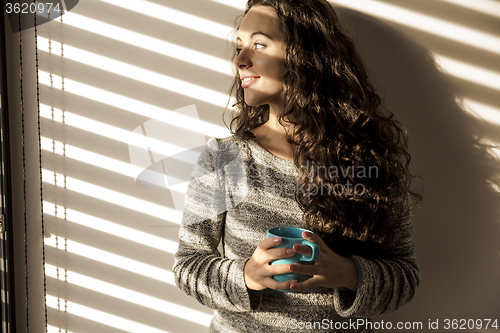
(40, 166)
(24, 173)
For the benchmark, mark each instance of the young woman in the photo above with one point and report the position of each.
(310, 148)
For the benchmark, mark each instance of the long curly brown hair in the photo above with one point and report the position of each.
(354, 173)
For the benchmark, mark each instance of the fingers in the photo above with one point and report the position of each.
(303, 249)
(268, 273)
(305, 269)
(272, 270)
(261, 272)
(269, 253)
(276, 285)
(315, 239)
(269, 243)
(279, 253)
(283, 269)
(307, 284)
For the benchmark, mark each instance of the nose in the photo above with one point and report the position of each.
(243, 60)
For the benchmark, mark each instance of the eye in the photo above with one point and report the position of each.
(238, 50)
(258, 46)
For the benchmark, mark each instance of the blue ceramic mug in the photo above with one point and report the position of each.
(289, 237)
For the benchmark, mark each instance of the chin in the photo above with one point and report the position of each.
(254, 101)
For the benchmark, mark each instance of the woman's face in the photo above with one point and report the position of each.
(260, 60)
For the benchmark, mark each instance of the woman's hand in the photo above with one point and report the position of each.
(259, 273)
(331, 270)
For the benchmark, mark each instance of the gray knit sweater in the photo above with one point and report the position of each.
(238, 191)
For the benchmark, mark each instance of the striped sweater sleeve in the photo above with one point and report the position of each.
(384, 284)
(200, 270)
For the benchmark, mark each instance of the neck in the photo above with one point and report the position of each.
(273, 124)
(272, 136)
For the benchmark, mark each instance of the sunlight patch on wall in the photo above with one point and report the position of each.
(115, 229)
(131, 296)
(487, 7)
(465, 71)
(426, 23)
(98, 160)
(494, 151)
(135, 39)
(102, 317)
(238, 4)
(113, 197)
(53, 329)
(135, 73)
(108, 131)
(131, 105)
(482, 111)
(111, 259)
(495, 186)
(82, 155)
(176, 17)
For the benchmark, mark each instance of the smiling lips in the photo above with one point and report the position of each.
(248, 80)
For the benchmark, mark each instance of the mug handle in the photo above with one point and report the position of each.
(315, 250)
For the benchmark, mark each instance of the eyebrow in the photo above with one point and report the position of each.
(257, 33)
